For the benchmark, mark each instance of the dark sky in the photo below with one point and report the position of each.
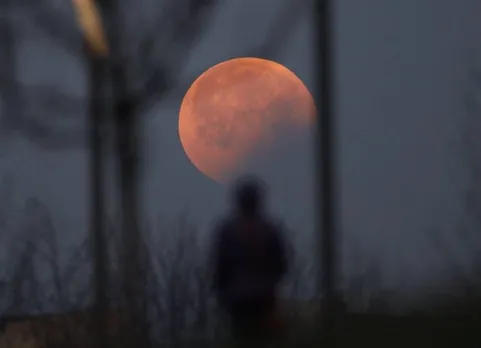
(402, 70)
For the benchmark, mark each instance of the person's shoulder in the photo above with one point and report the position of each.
(223, 224)
(275, 225)
(273, 221)
(226, 220)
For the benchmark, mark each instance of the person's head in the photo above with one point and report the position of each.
(249, 196)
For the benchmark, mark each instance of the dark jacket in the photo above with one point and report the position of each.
(249, 259)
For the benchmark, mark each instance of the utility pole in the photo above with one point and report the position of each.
(127, 152)
(97, 213)
(109, 45)
(326, 147)
(12, 111)
(133, 270)
(96, 49)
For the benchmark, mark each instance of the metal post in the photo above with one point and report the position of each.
(97, 214)
(326, 164)
(127, 156)
(96, 48)
(127, 149)
(12, 112)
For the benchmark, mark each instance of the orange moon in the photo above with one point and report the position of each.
(238, 108)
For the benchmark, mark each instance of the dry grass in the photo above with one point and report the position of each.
(47, 331)
(374, 330)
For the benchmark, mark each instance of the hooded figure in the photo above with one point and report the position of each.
(249, 261)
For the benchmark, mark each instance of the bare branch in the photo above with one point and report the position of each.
(59, 25)
(174, 33)
(155, 87)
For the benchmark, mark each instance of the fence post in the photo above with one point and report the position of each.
(326, 166)
(97, 213)
(96, 48)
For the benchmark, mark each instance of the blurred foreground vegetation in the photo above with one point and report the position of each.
(46, 295)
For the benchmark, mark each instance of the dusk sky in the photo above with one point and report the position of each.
(402, 71)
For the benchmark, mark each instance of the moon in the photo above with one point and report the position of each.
(238, 109)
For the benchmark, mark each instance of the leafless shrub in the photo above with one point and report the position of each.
(178, 302)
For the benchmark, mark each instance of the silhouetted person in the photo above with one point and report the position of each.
(249, 263)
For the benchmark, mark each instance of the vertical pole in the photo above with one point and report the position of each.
(96, 127)
(127, 156)
(9, 86)
(127, 148)
(96, 47)
(325, 144)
